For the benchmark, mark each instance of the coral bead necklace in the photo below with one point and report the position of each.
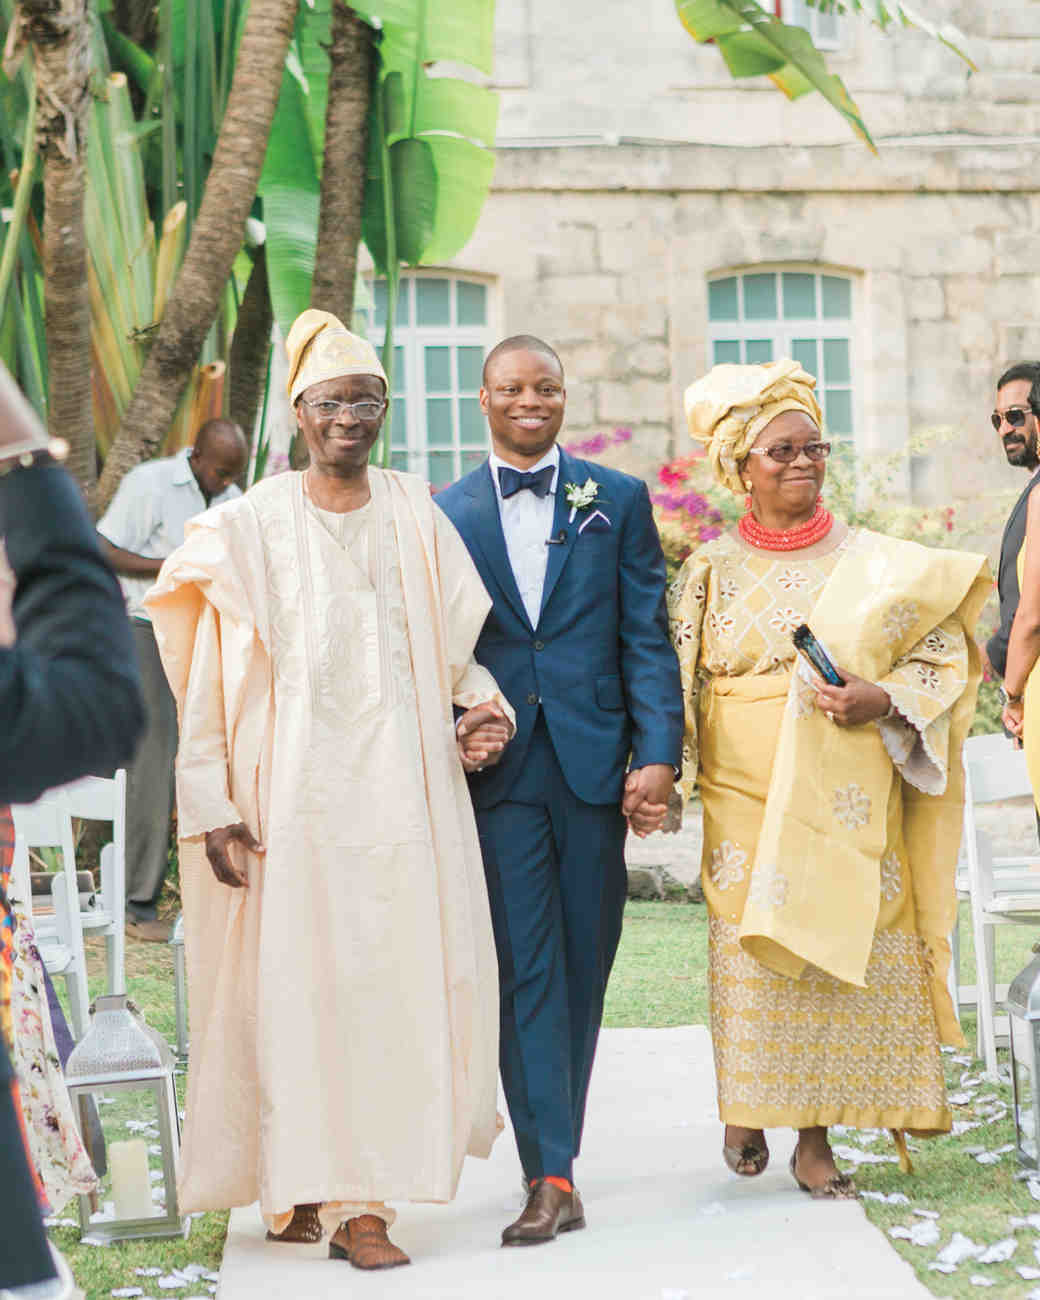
(815, 529)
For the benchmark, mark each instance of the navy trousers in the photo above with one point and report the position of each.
(556, 879)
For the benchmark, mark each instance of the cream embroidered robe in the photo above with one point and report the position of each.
(828, 852)
(344, 1007)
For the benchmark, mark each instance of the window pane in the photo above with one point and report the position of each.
(760, 297)
(472, 303)
(472, 425)
(722, 299)
(727, 351)
(759, 350)
(440, 468)
(837, 298)
(836, 369)
(438, 370)
(838, 406)
(804, 352)
(433, 302)
(399, 423)
(471, 364)
(439, 422)
(828, 27)
(399, 460)
(379, 297)
(400, 384)
(471, 459)
(799, 296)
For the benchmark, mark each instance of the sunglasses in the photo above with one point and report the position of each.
(1016, 417)
(785, 452)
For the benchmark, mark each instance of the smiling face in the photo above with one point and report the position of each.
(786, 490)
(339, 446)
(1020, 445)
(524, 401)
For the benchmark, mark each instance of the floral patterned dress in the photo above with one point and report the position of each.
(57, 1154)
(813, 1050)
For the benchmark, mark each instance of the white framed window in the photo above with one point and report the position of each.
(824, 28)
(764, 314)
(442, 335)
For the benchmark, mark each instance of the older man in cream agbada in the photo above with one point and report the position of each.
(317, 635)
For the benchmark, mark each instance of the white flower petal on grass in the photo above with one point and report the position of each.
(999, 1252)
(1034, 1189)
(1027, 1273)
(893, 1198)
(943, 1268)
(978, 1280)
(171, 1282)
(964, 1126)
(927, 1214)
(148, 1272)
(858, 1157)
(958, 1249)
(959, 1098)
(125, 1292)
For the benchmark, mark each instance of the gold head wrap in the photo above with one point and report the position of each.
(321, 347)
(731, 405)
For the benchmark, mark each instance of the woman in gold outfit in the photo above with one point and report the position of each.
(1021, 676)
(831, 814)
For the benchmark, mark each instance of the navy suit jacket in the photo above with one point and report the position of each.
(599, 662)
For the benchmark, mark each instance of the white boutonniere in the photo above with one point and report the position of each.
(581, 498)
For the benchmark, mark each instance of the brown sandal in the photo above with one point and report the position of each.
(368, 1245)
(304, 1226)
(748, 1160)
(839, 1187)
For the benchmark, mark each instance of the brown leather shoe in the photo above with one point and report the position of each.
(547, 1212)
(363, 1241)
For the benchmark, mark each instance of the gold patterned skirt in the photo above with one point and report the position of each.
(814, 1051)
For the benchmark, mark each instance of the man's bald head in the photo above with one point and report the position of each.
(520, 343)
(219, 457)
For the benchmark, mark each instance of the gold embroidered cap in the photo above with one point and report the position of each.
(730, 406)
(321, 347)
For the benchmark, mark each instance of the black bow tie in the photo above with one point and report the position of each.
(512, 480)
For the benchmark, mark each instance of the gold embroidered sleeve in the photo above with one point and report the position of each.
(687, 597)
(924, 685)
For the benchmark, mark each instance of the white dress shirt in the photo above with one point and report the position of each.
(148, 515)
(527, 522)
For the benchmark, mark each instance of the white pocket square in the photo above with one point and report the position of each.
(601, 527)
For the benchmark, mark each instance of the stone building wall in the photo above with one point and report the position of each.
(631, 169)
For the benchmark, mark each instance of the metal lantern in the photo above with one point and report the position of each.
(1023, 1004)
(120, 1079)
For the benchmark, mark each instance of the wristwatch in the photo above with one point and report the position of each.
(1009, 699)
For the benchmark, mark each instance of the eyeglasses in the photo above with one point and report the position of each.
(1015, 415)
(786, 452)
(328, 410)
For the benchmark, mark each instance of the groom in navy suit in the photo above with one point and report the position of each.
(578, 641)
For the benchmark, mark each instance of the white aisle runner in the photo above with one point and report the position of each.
(666, 1219)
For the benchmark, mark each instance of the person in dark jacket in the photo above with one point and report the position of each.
(1015, 419)
(69, 705)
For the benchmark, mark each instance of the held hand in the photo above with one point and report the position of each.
(854, 704)
(220, 860)
(645, 801)
(1013, 719)
(481, 735)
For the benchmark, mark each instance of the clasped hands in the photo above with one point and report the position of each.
(645, 800)
(481, 735)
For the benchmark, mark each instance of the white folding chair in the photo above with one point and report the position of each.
(1003, 891)
(47, 824)
(99, 799)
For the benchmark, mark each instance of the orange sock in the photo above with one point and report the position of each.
(561, 1183)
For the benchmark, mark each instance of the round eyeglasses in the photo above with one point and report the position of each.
(786, 452)
(329, 410)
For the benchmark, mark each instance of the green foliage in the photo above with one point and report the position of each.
(754, 43)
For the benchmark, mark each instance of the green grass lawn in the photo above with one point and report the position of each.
(660, 980)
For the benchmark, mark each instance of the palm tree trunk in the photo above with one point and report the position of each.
(343, 169)
(57, 30)
(215, 239)
(249, 347)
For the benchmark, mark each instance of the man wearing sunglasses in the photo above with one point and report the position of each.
(1015, 421)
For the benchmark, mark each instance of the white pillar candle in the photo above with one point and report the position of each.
(131, 1185)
